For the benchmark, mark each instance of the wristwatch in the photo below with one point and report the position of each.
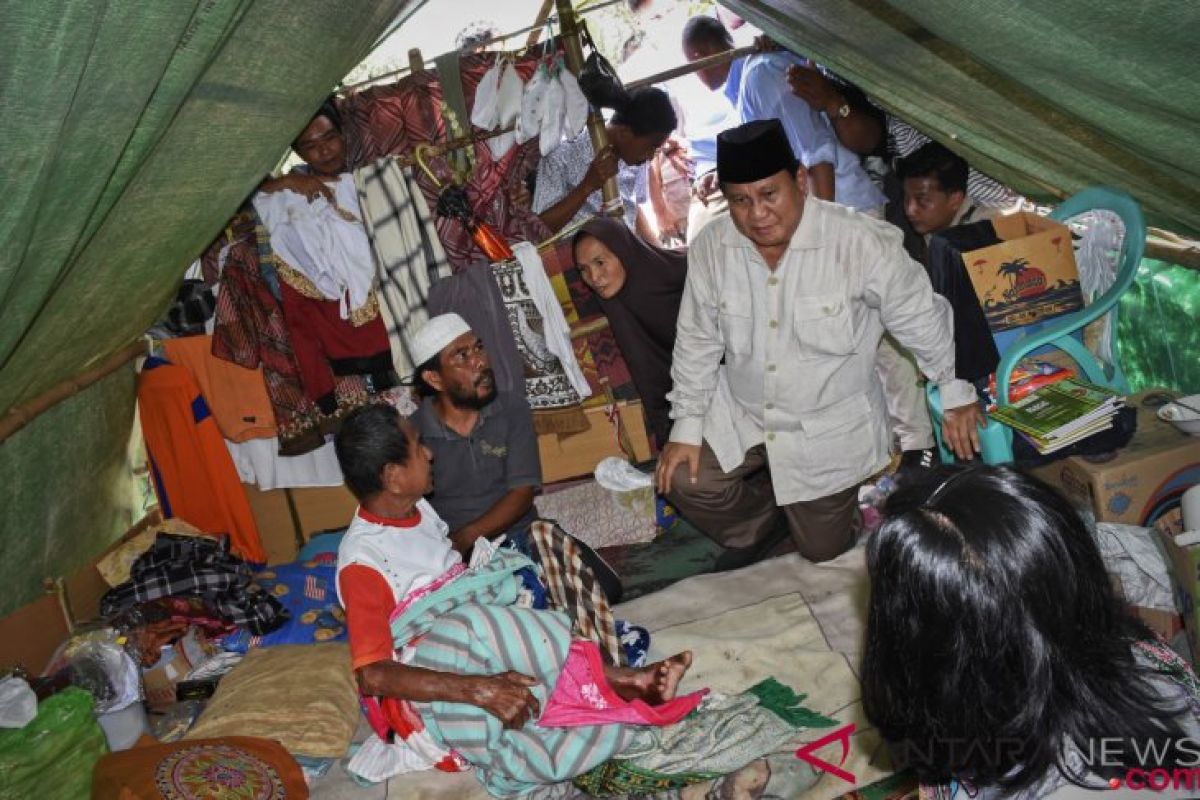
(843, 110)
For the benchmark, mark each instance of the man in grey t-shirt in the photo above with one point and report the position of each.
(486, 468)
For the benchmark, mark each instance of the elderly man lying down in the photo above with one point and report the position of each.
(455, 672)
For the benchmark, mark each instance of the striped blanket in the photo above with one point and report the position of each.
(471, 626)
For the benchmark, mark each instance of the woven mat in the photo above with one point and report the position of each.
(599, 517)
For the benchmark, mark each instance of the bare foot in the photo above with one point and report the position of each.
(655, 683)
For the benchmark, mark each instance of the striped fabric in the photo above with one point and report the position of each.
(476, 639)
(574, 590)
(408, 255)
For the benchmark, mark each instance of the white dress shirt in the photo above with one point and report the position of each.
(799, 347)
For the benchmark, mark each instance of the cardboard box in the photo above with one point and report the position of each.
(1185, 575)
(1142, 482)
(571, 456)
(1029, 276)
(1165, 623)
(159, 681)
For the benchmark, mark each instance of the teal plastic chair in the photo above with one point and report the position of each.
(1064, 333)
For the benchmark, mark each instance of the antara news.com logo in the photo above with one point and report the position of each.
(1101, 754)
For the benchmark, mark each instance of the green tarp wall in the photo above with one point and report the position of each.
(1049, 96)
(133, 129)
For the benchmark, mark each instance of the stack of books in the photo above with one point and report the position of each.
(1061, 413)
(1027, 377)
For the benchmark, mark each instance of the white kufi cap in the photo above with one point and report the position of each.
(434, 335)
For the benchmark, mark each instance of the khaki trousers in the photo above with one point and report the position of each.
(737, 509)
(904, 395)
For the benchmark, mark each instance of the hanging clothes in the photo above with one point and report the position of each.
(236, 396)
(323, 240)
(394, 119)
(194, 478)
(326, 269)
(555, 331)
(409, 258)
(327, 346)
(546, 385)
(258, 462)
(250, 330)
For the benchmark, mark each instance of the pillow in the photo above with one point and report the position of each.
(303, 696)
(236, 767)
(308, 591)
(321, 543)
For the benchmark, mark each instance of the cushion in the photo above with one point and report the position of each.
(307, 589)
(304, 696)
(237, 768)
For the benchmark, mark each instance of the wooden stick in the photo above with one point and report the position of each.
(18, 417)
(1174, 249)
(539, 23)
(573, 50)
(694, 66)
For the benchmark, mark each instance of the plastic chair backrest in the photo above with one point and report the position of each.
(1059, 330)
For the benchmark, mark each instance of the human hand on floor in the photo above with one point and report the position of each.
(674, 454)
(506, 697)
(960, 429)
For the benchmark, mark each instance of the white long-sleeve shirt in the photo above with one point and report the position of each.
(799, 348)
(330, 248)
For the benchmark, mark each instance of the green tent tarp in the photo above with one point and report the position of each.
(132, 131)
(1049, 97)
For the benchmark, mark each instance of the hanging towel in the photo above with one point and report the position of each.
(237, 396)
(555, 329)
(408, 254)
(194, 476)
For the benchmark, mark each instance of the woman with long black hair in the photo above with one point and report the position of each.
(999, 657)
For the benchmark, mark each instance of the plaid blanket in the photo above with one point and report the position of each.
(197, 567)
(574, 590)
(409, 257)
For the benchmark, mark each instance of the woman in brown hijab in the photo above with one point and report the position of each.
(640, 287)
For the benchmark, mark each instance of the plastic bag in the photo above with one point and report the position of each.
(553, 108)
(598, 80)
(52, 757)
(576, 105)
(18, 703)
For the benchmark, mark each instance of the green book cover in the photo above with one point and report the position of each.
(1057, 409)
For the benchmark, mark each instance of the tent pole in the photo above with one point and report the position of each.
(482, 136)
(569, 25)
(19, 416)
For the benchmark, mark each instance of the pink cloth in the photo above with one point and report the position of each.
(582, 696)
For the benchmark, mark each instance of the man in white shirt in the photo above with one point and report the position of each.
(776, 403)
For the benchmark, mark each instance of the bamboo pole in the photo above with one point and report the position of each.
(19, 416)
(569, 25)
(694, 66)
(539, 22)
(482, 136)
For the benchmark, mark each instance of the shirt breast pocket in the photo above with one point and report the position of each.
(823, 326)
(737, 326)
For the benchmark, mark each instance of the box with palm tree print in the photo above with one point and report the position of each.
(1030, 276)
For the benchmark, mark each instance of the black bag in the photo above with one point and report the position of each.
(598, 80)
